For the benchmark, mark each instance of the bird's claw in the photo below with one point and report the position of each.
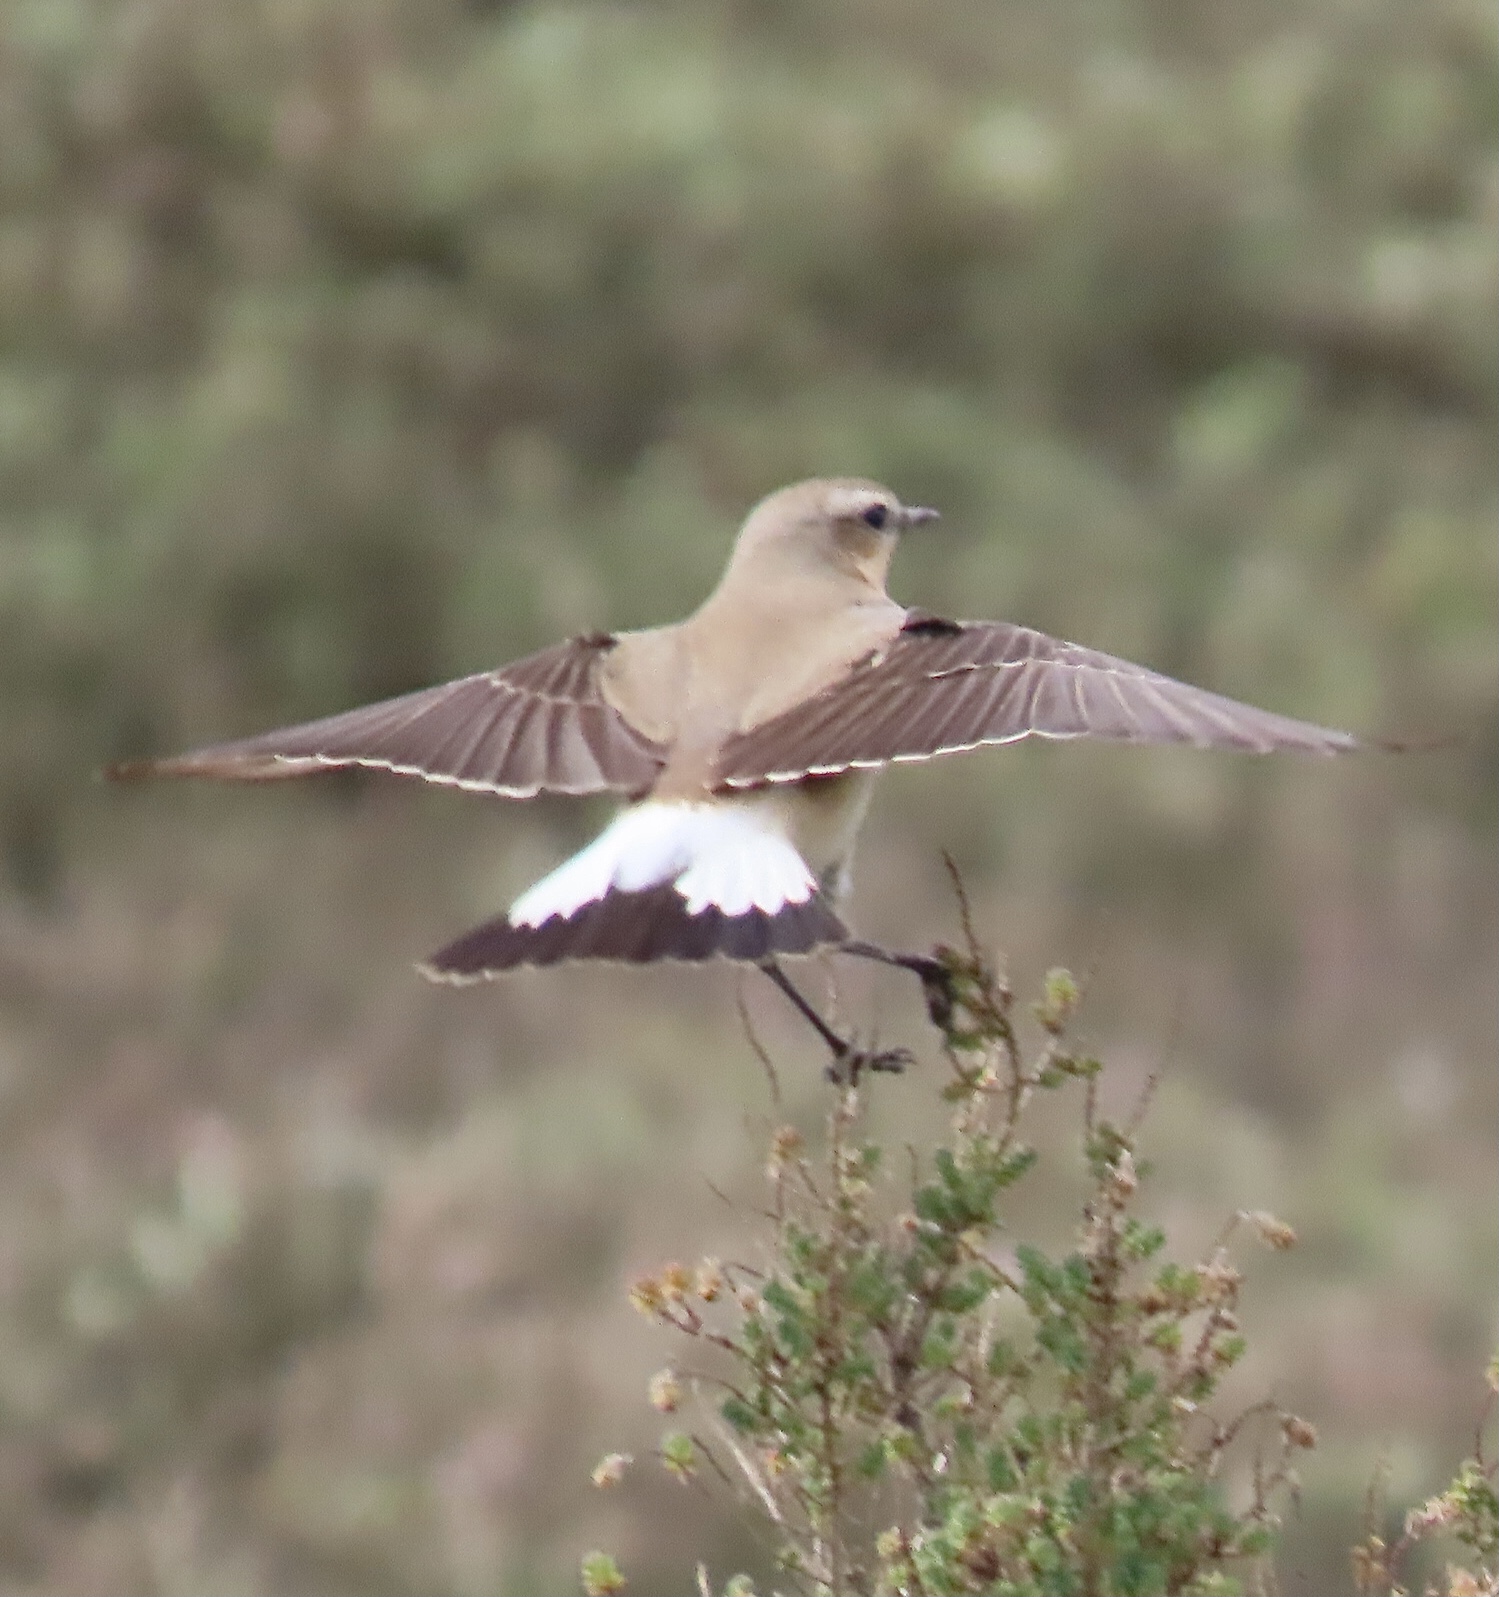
(937, 987)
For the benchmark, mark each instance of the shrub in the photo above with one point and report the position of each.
(911, 1403)
(1466, 1512)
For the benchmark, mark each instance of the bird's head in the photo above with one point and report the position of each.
(844, 526)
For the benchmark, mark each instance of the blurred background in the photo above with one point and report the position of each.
(348, 345)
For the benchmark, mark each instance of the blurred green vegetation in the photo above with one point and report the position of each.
(911, 1398)
(346, 346)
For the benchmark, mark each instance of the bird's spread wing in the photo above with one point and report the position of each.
(538, 725)
(940, 687)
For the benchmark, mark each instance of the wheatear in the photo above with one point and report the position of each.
(744, 739)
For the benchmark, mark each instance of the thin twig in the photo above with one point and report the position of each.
(1142, 1103)
(707, 1453)
(756, 1046)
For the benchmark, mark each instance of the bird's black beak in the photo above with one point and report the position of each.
(915, 515)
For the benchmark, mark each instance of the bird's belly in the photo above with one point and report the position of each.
(820, 815)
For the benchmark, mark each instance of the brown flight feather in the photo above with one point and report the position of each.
(538, 725)
(940, 687)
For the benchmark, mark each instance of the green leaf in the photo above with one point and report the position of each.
(1001, 1469)
(1143, 1241)
(872, 1461)
(678, 1454)
(601, 1575)
(738, 1414)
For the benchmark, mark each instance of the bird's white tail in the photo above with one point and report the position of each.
(663, 881)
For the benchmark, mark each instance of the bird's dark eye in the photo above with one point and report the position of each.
(875, 516)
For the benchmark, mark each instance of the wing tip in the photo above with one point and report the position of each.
(150, 768)
(128, 770)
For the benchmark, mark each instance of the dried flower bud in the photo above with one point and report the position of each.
(1299, 1432)
(784, 1145)
(1432, 1515)
(646, 1295)
(1219, 1279)
(1369, 1564)
(1272, 1232)
(665, 1391)
(676, 1281)
(610, 1469)
(710, 1280)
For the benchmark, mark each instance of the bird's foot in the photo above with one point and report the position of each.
(936, 975)
(938, 988)
(849, 1064)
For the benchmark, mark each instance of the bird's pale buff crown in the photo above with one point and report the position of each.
(844, 525)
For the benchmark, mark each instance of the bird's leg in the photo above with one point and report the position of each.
(935, 977)
(849, 1062)
(837, 1044)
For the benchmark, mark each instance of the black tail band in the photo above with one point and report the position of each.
(639, 929)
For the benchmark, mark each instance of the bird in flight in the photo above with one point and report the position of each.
(744, 741)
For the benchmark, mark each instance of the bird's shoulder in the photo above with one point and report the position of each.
(641, 678)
